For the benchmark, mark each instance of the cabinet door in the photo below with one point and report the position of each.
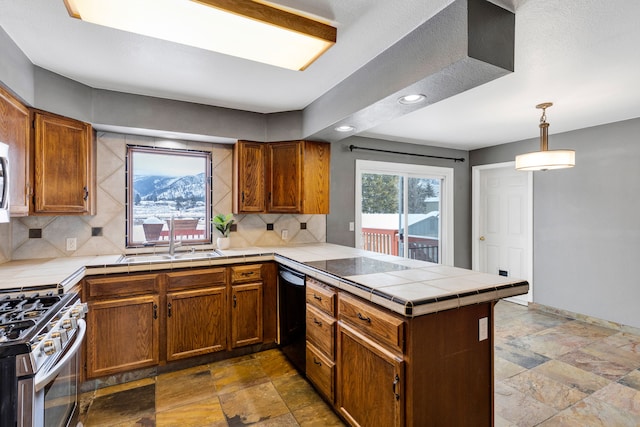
(63, 166)
(368, 373)
(246, 314)
(122, 334)
(15, 131)
(248, 177)
(315, 177)
(284, 179)
(196, 322)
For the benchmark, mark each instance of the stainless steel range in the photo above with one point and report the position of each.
(41, 332)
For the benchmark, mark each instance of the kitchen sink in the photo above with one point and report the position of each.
(182, 256)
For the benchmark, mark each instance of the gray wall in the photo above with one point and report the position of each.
(586, 222)
(343, 164)
(16, 71)
(108, 110)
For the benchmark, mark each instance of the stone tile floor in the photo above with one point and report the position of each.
(549, 371)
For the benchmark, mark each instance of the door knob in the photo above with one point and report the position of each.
(482, 238)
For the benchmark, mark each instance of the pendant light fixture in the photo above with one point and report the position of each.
(545, 159)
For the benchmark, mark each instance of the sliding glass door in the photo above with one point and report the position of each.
(405, 210)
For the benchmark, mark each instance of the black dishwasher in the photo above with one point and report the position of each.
(292, 316)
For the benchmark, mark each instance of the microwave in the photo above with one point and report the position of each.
(4, 182)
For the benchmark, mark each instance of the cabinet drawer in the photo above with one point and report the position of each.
(120, 286)
(321, 296)
(320, 371)
(191, 280)
(384, 327)
(321, 330)
(246, 273)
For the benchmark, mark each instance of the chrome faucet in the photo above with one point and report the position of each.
(172, 238)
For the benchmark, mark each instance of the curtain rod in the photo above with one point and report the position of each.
(455, 159)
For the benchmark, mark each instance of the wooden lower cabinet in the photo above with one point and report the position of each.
(370, 383)
(320, 371)
(123, 334)
(142, 320)
(246, 314)
(196, 322)
(429, 370)
(321, 337)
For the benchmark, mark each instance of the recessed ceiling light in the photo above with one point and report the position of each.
(412, 99)
(345, 128)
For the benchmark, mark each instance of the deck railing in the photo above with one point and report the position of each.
(390, 242)
(380, 240)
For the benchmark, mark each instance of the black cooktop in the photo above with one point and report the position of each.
(355, 266)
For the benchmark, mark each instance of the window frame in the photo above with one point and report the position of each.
(131, 149)
(408, 170)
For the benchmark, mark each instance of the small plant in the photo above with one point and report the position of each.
(222, 223)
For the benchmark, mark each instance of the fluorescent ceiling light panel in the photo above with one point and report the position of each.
(245, 29)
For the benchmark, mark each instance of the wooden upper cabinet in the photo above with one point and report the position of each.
(281, 177)
(248, 177)
(298, 177)
(15, 130)
(316, 162)
(63, 166)
(284, 177)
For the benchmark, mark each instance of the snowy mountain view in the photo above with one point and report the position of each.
(166, 196)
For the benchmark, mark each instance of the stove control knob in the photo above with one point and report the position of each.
(48, 347)
(79, 311)
(59, 338)
(70, 323)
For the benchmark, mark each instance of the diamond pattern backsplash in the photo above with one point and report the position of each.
(111, 206)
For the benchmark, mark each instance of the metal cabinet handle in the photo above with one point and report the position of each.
(235, 301)
(86, 193)
(243, 197)
(155, 311)
(396, 380)
(317, 297)
(482, 238)
(317, 362)
(247, 273)
(317, 322)
(366, 319)
(169, 310)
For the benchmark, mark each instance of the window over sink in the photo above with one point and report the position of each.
(162, 184)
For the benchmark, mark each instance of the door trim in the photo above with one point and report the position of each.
(475, 205)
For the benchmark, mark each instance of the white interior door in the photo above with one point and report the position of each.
(502, 223)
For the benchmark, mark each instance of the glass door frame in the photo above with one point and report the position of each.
(412, 171)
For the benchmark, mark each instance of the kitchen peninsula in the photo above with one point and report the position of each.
(408, 342)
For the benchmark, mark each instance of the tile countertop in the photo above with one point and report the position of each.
(405, 286)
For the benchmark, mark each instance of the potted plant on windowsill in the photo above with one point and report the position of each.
(223, 223)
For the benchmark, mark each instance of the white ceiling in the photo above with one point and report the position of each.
(582, 55)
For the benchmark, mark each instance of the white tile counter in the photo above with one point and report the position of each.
(405, 286)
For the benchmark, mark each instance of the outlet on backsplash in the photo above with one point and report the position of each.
(71, 243)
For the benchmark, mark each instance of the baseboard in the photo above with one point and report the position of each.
(584, 318)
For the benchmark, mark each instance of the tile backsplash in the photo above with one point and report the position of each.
(16, 244)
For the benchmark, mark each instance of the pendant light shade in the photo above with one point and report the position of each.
(545, 159)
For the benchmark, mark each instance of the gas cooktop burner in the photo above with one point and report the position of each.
(13, 331)
(19, 314)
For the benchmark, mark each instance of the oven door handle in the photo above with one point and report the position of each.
(43, 378)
